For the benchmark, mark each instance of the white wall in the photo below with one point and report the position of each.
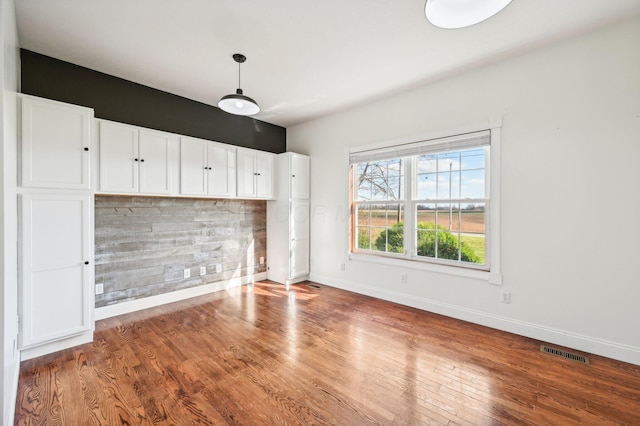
(10, 64)
(569, 200)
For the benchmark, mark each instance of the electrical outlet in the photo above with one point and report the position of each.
(342, 267)
(99, 288)
(506, 297)
(403, 278)
(187, 273)
(218, 268)
(262, 260)
(203, 270)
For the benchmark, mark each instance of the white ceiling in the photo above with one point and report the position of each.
(304, 58)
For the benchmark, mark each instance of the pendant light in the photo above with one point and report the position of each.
(238, 103)
(461, 13)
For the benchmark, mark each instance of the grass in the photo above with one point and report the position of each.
(476, 244)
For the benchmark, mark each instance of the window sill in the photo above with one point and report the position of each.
(490, 277)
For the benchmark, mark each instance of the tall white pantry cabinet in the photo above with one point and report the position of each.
(288, 221)
(55, 226)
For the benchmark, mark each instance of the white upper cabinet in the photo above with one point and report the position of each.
(118, 157)
(156, 163)
(137, 160)
(56, 139)
(255, 173)
(299, 179)
(207, 168)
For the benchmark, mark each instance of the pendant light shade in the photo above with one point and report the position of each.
(237, 103)
(461, 13)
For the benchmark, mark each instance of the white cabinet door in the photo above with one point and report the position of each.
(246, 173)
(299, 234)
(119, 160)
(221, 170)
(155, 165)
(193, 166)
(56, 283)
(264, 174)
(55, 144)
(299, 177)
(137, 160)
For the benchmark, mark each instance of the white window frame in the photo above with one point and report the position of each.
(490, 273)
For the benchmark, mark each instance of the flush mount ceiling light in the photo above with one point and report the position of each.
(461, 13)
(238, 103)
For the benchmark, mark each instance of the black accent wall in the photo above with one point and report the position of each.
(116, 99)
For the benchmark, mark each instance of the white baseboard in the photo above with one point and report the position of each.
(58, 345)
(568, 339)
(174, 296)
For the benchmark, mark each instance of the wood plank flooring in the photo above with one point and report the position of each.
(261, 356)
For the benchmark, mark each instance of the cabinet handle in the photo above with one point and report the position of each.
(86, 149)
(86, 263)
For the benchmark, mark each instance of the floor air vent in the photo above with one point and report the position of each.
(313, 286)
(564, 354)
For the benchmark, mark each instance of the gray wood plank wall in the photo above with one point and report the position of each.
(143, 244)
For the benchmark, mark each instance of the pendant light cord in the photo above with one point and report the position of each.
(239, 86)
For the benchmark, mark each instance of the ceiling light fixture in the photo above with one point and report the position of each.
(461, 13)
(238, 103)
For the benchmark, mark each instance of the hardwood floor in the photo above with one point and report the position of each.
(259, 355)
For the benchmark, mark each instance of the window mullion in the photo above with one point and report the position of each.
(409, 214)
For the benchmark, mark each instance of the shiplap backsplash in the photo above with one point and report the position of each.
(143, 244)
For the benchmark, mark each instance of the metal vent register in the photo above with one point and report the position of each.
(565, 354)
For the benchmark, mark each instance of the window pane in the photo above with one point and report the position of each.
(378, 239)
(426, 164)
(394, 185)
(364, 239)
(472, 232)
(472, 184)
(444, 212)
(381, 180)
(455, 184)
(444, 181)
(447, 245)
(448, 161)
(363, 216)
(426, 226)
(426, 213)
(425, 244)
(472, 218)
(379, 189)
(473, 159)
(426, 186)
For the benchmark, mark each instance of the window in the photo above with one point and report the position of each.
(426, 201)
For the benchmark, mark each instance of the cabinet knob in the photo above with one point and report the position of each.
(209, 168)
(86, 149)
(142, 160)
(135, 159)
(206, 168)
(293, 175)
(86, 263)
